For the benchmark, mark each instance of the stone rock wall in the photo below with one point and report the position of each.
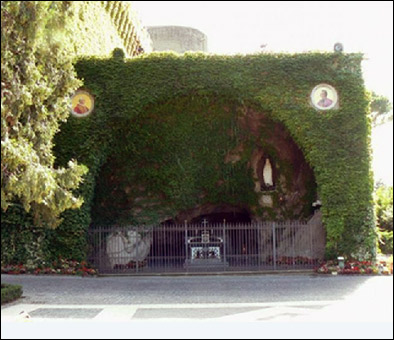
(294, 240)
(177, 38)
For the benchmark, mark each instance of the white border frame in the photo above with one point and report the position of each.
(81, 115)
(334, 92)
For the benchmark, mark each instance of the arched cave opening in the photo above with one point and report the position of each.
(232, 228)
(221, 217)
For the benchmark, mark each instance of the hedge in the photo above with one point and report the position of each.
(10, 293)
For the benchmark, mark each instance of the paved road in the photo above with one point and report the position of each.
(300, 306)
(192, 289)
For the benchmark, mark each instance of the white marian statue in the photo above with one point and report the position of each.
(121, 248)
(267, 174)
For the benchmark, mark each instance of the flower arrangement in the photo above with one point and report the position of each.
(61, 266)
(350, 267)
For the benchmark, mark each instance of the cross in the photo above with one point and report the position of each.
(205, 234)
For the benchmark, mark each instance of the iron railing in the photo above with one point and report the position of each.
(218, 247)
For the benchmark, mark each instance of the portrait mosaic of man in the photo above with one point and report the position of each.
(324, 97)
(82, 104)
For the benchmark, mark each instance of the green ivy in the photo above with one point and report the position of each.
(163, 124)
(40, 40)
(175, 156)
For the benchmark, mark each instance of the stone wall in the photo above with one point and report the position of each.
(294, 240)
(98, 27)
(177, 38)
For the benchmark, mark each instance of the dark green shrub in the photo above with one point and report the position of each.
(385, 241)
(10, 292)
(118, 53)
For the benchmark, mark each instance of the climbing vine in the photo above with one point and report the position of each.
(166, 123)
(40, 40)
(163, 124)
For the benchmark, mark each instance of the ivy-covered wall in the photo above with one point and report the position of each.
(98, 27)
(166, 123)
(165, 126)
(205, 155)
(84, 28)
(92, 31)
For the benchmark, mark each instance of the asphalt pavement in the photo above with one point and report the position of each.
(184, 289)
(211, 306)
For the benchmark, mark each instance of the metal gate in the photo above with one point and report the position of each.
(205, 247)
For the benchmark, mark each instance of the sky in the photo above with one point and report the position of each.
(241, 27)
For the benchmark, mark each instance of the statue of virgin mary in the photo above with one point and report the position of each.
(267, 174)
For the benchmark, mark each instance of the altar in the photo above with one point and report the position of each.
(205, 251)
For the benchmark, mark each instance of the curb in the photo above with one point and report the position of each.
(235, 273)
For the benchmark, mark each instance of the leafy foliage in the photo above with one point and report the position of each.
(384, 207)
(39, 42)
(10, 292)
(128, 26)
(118, 53)
(384, 217)
(37, 78)
(161, 119)
(381, 109)
(174, 155)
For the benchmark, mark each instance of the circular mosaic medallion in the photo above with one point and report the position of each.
(82, 104)
(324, 97)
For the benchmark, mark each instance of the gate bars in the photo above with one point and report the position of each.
(206, 247)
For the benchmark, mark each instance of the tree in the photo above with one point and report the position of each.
(384, 217)
(381, 109)
(37, 79)
(384, 207)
